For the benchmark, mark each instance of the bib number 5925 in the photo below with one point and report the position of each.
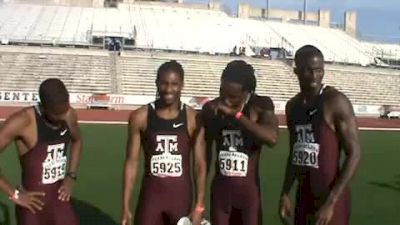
(166, 167)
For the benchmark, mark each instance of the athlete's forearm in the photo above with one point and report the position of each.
(266, 133)
(201, 179)
(5, 186)
(76, 149)
(289, 178)
(349, 168)
(130, 174)
(209, 154)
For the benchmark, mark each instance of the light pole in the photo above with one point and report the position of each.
(267, 9)
(305, 11)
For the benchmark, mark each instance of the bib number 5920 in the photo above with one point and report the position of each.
(305, 154)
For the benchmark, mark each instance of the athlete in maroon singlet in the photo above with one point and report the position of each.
(321, 122)
(167, 130)
(42, 134)
(240, 122)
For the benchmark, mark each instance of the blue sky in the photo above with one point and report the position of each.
(377, 19)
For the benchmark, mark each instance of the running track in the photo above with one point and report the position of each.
(121, 117)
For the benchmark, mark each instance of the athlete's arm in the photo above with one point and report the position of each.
(347, 129)
(266, 127)
(76, 142)
(341, 115)
(132, 160)
(207, 112)
(12, 129)
(9, 131)
(200, 167)
(65, 190)
(285, 204)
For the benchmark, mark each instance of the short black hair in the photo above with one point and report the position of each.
(305, 52)
(238, 71)
(173, 66)
(53, 92)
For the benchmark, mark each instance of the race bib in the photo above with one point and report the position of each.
(55, 164)
(305, 154)
(166, 165)
(233, 164)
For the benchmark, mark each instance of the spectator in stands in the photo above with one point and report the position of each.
(234, 50)
(321, 123)
(240, 122)
(242, 51)
(167, 130)
(42, 134)
(265, 52)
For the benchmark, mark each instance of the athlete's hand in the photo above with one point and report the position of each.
(226, 108)
(196, 217)
(325, 213)
(65, 191)
(126, 218)
(285, 209)
(30, 200)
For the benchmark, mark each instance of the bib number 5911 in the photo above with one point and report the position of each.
(233, 164)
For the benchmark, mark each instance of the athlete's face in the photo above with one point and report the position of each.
(310, 72)
(57, 113)
(233, 94)
(169, 87)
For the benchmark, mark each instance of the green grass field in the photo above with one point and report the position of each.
(376, 187)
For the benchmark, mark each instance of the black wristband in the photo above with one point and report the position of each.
(72, 175)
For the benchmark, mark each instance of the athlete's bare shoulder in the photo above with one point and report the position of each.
(336, 102)
(17, 125)
(333, 96)
(331, 92)
(23, 117)
(191, 113)
(209, 109)
(211, 105)
(138, 117)
(72, 117)
(261, 103)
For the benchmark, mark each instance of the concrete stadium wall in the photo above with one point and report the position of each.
(350, 23)
(322, 17)
(83, 3)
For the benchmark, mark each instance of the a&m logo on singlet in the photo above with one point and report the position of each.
(232, 163)
(166, 164)
(305, 150)
(54, 166)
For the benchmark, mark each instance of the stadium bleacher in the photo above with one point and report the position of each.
(170, 27)
(89, 72)
(182, 31)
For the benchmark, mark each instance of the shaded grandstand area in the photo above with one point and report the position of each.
(133, 74)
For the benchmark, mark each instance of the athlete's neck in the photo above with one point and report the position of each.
(167, 111)
(311, 94)
(175, 106)
(46, 119)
